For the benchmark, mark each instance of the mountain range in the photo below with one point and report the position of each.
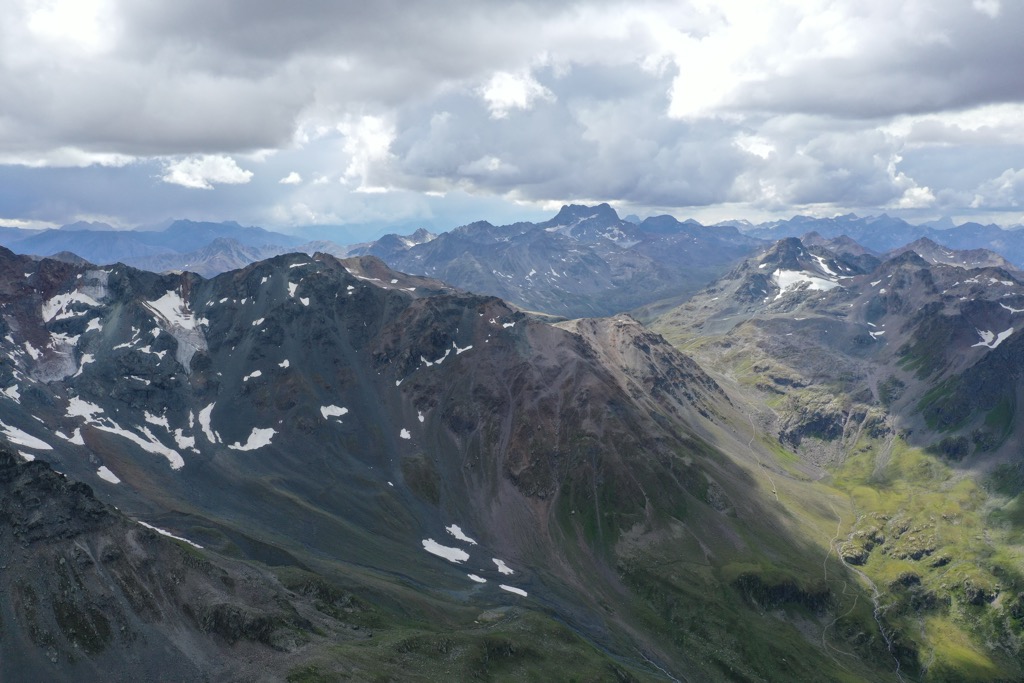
(332, 468)
(884, 233)
(365, 425)
(585, 261)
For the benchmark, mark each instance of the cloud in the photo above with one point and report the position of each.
(83, 24)
(916, 198)
(367, 144)
(990, 8)
(505, 92)
(1004, 192)
(656, 104)
(202, 172)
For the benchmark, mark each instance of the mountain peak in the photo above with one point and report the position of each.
(574, 213)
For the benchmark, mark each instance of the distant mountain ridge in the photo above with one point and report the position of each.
(98, 243)
(585, 261)
(886, 233)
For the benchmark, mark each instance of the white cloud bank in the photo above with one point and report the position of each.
(204, 171)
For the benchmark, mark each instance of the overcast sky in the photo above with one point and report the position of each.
(441, 112)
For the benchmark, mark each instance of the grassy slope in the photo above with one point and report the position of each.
(944, 548)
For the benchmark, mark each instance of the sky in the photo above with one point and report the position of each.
(441, 112)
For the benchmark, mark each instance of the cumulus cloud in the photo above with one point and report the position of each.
(1004, 192)
(505, 92)
(204, 171)
(837, 104)
(916, 198)
(367, 145)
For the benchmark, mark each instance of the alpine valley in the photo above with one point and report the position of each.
(418, 462)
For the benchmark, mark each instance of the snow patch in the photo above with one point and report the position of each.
(32, 351)
(450, 554)
(790, 279)
(159, 421)
(168, 534)
(21, 438)
(86, 359)
(455, 531)
(79, 408)
(56, 308)
(106, 475)
(440, 360)
(991, 339)
(253, 375)
(512, 589)
(147, 441)
(284, 363)
(173, 310)
(405, 434)
(824, 266)
(75, 438)
(502, 567)
(476, 578)
(184, 441)
(332, 411)
(204, 423)
(259, 438)
(148, 349)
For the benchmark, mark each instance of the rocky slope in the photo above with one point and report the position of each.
(442, 451)
(90, 594)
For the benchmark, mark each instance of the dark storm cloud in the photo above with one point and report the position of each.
(951, 57)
